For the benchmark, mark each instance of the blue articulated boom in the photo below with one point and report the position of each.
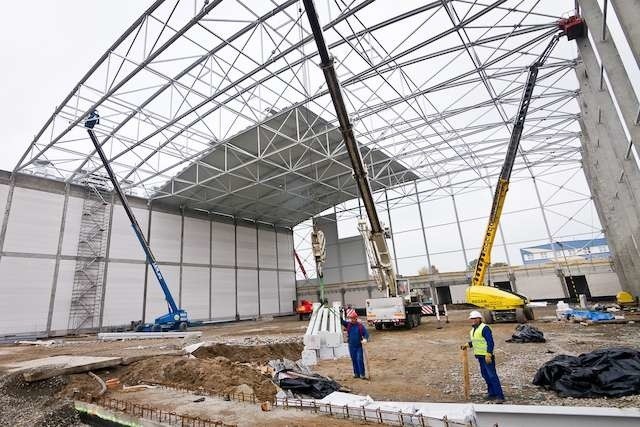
(176, 318)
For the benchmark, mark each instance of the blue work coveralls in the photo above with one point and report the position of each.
(488, 371)
(355, 333)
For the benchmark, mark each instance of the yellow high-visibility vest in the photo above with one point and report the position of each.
(478, 341)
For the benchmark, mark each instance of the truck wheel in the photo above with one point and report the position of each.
(300, 316)
(487, 316)
(520, 317)
(182, 326)
(528, 313)
(378, 326)
(419, 320)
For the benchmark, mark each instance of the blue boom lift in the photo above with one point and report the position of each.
(176, 318)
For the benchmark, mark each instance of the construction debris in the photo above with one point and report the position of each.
(298, 379)
(526, 333)
(611, 372)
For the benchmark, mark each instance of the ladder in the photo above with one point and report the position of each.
(86, 294)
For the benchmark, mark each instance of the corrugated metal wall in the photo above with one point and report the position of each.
(215, 268)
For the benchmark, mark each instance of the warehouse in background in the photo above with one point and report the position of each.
(574, 250)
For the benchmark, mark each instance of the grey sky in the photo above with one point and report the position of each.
(46, 48)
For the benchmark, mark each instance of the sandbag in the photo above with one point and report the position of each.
(526, 333)
(611, 372)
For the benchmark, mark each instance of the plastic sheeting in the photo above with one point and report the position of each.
(526, 333)
(611, 372)
(590, 315)
(296, 378)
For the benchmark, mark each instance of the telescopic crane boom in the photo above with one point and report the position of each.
(491, 298)
(376, 233)
(176, 318)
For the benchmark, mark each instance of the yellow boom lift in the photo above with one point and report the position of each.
(500, 305)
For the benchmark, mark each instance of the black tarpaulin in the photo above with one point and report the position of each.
(526, 333)
(611, 372)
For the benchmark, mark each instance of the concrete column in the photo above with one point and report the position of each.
(56, 270)
(610, 57)
(613, 178)
(628, 14)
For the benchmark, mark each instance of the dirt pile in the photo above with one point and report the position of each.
(35, 404)
(217, 375)
(257, 353)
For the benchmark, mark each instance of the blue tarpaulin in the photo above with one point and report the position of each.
(590, 315)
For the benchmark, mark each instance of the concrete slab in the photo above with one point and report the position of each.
(120, 336)
(309, 357)
(326, 353)
(48, 367)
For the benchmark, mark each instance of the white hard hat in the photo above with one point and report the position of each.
(475, 314)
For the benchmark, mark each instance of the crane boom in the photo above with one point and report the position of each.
(484, 259)
(376, 232)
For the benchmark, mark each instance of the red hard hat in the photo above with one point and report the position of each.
(353, 315)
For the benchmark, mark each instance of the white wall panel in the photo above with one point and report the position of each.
(223, 296)
(34, 222)
(223, 244)
(269, 292)
(25, 288)
(123, 294)
(156, 304)
(247, 247)
(356, 298)
(287, 291)
(458, 293)
(165, 236)
(539, 287)
(268, 258)
(247, 293)
(603, 284)
(195, 292)
(62, 302)
(196, 241)
(72, 226)
(285, 251)
(124, 243)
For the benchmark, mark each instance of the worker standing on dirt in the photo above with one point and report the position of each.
(481, 340)
(356, 336)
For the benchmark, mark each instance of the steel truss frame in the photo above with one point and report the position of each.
(433, 86)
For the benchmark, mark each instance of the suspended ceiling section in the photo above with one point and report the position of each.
(192, 85)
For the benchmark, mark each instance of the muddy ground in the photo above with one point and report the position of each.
(423, 364)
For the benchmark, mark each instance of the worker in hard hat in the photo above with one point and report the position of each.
(481, 340)
(356, 336)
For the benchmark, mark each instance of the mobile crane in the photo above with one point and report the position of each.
(176, 318)
(400, 307)
(500, 305)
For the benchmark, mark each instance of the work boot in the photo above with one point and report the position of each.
(499, 400)
(356, 376)
(363, 377)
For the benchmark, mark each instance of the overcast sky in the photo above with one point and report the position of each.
(47, 46)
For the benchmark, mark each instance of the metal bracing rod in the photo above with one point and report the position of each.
(339, 19)
(134, 222)
(88, 74)
(205, 10)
